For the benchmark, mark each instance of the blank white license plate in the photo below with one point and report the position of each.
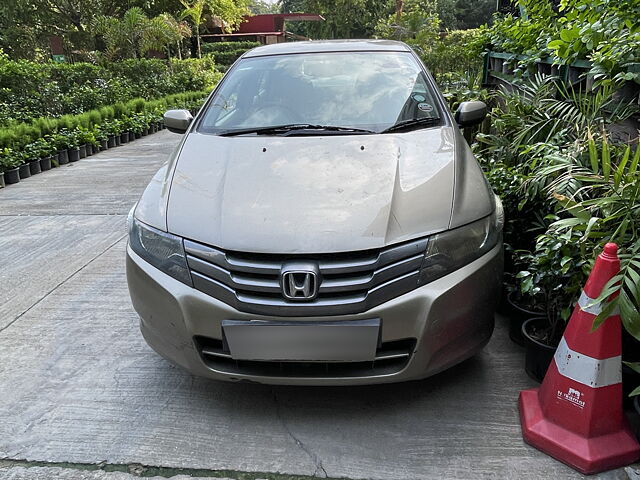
(351, 341)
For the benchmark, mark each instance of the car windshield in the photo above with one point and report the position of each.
(367, 91)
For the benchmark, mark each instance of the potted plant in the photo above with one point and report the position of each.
(23, 166)
(31, 152)
(97, 140)
(126, 126)
(73, 143)
(59, 140)
(102, 139)
(86, 138)
(9, 165)
(556, 273)
(519, 308)
(39, 154)
(108, 131)
(46, 150)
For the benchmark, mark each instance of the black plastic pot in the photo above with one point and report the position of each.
(118, 142)
(1, 179)
(104, 145)
(111, 141)
(517, 316)
(145, 132)
(83, 151)
(152, 128)
(24, 170)
(45, 163)
(74, 154)
(538, 356)
(11, 176)
(124, 137)
(63, 157)
(132, 136)
(34, 167)
(137, 135)
(95, 149)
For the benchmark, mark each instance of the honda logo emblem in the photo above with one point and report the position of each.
(299, 284)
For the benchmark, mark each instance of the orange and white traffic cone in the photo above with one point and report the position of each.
(576, 415)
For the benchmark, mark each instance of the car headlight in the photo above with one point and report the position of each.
(450, 250)
(162, 250)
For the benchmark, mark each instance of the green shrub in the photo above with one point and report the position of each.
(223, 47)
(456, 51)
(604, 32)
(73, 130)
(32, 90)
(9, 159)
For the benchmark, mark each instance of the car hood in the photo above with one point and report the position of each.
(311, 194)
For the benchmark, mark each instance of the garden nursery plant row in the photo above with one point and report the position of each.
(31, 147)
(32, 89)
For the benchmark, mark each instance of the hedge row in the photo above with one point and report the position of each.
(225, 53)
(24, 142)
(30, 89)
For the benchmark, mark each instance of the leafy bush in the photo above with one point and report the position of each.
(458, 51)
(604, 32)
(43, 136)
(32, 90)
(221, 47)
(541, 157)
(225, 53)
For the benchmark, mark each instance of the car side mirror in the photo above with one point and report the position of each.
(470, 113)
(177, 121)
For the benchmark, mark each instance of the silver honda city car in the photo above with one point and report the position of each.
(323, 221)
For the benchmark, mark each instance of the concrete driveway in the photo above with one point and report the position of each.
(83, 397)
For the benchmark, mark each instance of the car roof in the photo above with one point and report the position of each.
(315, 46)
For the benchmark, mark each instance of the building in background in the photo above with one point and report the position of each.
(266, 29)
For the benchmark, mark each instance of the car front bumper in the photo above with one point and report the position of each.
(448, 321)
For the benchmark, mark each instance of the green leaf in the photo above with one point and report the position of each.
(593, 154)
(592, 222)
(635, 366)
(568, 35)
(635, 392)
(604, 314)
(606, 160)
(554, 44)
(630, 316)
(620, 170)
(634, 163)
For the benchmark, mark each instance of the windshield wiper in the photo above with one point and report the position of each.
(283, 129)
(414, 122)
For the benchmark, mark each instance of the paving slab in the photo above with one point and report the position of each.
(39, 253)
(78, 385)
(109, 182)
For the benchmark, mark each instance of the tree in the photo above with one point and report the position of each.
(25, 24)
(259, 7)
(167, 31)
(343, 18)
(228, 12)
(135, 34)
(194, 10)
(417, 24)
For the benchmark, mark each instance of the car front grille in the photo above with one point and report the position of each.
(391, 357)
(349, 282)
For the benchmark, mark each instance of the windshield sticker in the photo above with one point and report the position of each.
(425, 107)
(418, 98)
